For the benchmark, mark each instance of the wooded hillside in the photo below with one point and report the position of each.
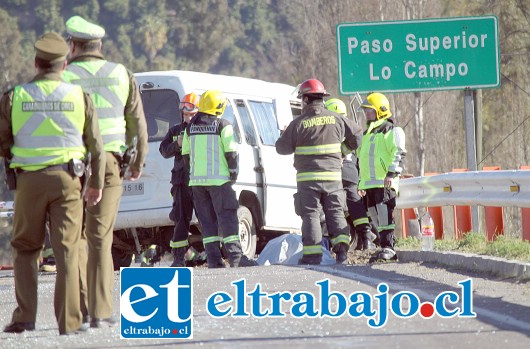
(289, 41)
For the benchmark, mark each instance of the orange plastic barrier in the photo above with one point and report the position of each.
(462, 215)
(406, 215)
(437, 217)
(494, 215)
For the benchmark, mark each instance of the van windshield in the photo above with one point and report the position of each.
(161, 112)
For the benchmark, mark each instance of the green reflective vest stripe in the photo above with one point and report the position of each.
(312, 249)
(379, 154)
(108, 84)
(48, 118)
(342, 238)
(318, 149)
(231, 238)
(211, 239)
(208, 165)
(359, 221)
(346, 151)
(178, 244)
(386, 227)
(318, 176)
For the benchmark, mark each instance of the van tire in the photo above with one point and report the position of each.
(247, 231)
(121, 258)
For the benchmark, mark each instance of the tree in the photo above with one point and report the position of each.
(13, 64)
(505, 109)
(48, 15)
(151, 35)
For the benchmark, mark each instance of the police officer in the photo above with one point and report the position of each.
(350, 179)
(210, 152)
(317, 138)
(121, 119)
(181, 214)
(381, 161)
(46, 126)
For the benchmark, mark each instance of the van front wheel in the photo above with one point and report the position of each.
(247, 231)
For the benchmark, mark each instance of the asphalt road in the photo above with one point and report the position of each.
(502, 307)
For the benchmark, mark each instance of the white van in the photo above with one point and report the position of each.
(266, 181)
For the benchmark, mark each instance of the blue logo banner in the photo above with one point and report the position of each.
(156, 303)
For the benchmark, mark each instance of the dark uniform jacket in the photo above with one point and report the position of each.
(318, 126)
(170, 148)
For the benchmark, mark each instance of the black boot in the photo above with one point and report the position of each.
(236, 256)
(365, 237)
(388, 252)
(311, 259)
(178, 256)
(368, 238)
(213, 255)
(341, 253)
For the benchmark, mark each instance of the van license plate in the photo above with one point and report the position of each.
(136, 188)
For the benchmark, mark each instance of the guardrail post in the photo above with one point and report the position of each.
(407, 214)
(437, 216)
(525, 217)
(494, 220)
(462, 215)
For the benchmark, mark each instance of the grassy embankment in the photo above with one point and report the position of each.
(509, 248)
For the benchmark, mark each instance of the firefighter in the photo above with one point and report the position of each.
(181, 214)
(350, 180)
(121, 120)
(210, 153)
(46, 127)
(381, 162)
(316, 138)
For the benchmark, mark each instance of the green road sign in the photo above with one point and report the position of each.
(418, 55)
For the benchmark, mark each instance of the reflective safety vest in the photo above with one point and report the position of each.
(108, 84)
(206, 145)
(47, 119)
(381, 151)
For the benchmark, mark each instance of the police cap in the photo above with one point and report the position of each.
(80, 29)
(51, 47)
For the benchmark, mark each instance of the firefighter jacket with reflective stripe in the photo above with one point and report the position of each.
(170, 148)
(381, 154)
(319, 138)
(209, 150)
(48, 118)
(108, 84)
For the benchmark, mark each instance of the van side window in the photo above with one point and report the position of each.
(265, 121)
(250, 135)
(296, 109)
(161, 112)
(229, 115)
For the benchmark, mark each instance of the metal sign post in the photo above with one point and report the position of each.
(471, 151)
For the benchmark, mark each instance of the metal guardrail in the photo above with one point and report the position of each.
(483, 188)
